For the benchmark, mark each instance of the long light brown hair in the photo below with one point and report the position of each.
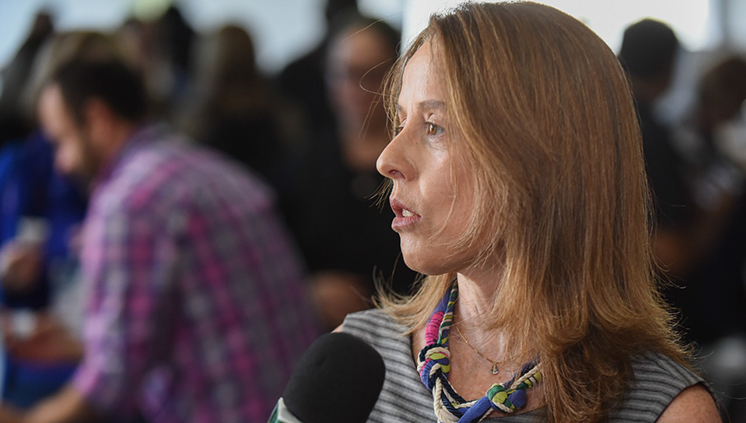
(551, 133)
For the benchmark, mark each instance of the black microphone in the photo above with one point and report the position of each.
(337, 380)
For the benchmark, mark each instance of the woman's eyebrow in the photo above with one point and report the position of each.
(437, 105)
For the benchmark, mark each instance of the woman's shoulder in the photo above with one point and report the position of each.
(657, 380)
(374, 326)
(403, 399)
(660, 371)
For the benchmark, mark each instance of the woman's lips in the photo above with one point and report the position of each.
(404, 216)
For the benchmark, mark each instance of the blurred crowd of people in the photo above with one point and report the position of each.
(696, 176)
(310, 137)
(312, 134)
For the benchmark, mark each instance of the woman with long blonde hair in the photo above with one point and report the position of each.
(519, 189)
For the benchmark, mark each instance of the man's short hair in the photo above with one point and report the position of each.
(648, 48)
(110, 81)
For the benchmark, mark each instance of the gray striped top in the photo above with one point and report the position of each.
(404, 398)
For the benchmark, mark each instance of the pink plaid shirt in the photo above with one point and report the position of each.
(196, 310)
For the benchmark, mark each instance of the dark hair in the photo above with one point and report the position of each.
(724, 83)
(111, 81)
(353, 19)
(333, 9)
(648, 48)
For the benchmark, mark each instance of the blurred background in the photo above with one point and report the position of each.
(289, 90)
(282, 30)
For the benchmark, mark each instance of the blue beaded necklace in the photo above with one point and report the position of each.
(434, 366)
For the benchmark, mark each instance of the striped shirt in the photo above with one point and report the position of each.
(189, 275)
(404, 399)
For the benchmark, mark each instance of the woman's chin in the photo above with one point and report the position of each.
(425, 266)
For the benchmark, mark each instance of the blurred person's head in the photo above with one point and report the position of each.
(43, 23)
(175, 37)
(130, 37)
(648, 54)
(359, 56)
(227, 73)
(721, 92)
(61, 48)
(88, 109)
(15, 123)
(335, 8)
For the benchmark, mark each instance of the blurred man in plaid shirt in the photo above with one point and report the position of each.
(196, 309)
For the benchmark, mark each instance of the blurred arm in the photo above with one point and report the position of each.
(128, 262)
(68, 406)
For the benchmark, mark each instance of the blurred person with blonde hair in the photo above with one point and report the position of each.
(518, 185)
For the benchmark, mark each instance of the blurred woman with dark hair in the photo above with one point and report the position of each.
(234, 111)
(344, 238)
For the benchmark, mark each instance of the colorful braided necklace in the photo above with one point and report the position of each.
(434, 365)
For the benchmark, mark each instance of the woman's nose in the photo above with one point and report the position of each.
(392, 163)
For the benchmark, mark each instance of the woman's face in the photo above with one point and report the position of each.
(432, 194)
(357, 62)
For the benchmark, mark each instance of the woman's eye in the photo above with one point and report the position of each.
(433, 129)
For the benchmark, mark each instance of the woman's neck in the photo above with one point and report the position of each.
(477, 291)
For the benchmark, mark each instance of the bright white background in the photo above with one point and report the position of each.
(695, 21)
(284, 29)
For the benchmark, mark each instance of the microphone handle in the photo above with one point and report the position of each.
(281, 414)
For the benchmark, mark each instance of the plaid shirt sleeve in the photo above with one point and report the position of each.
(196, 308)
(128, 263)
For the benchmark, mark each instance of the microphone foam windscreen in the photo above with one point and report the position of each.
(337, 380)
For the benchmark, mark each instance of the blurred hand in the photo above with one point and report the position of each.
(337, 294)
(20, 265)
(75, 239)
(48, 341)
(9, 414)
